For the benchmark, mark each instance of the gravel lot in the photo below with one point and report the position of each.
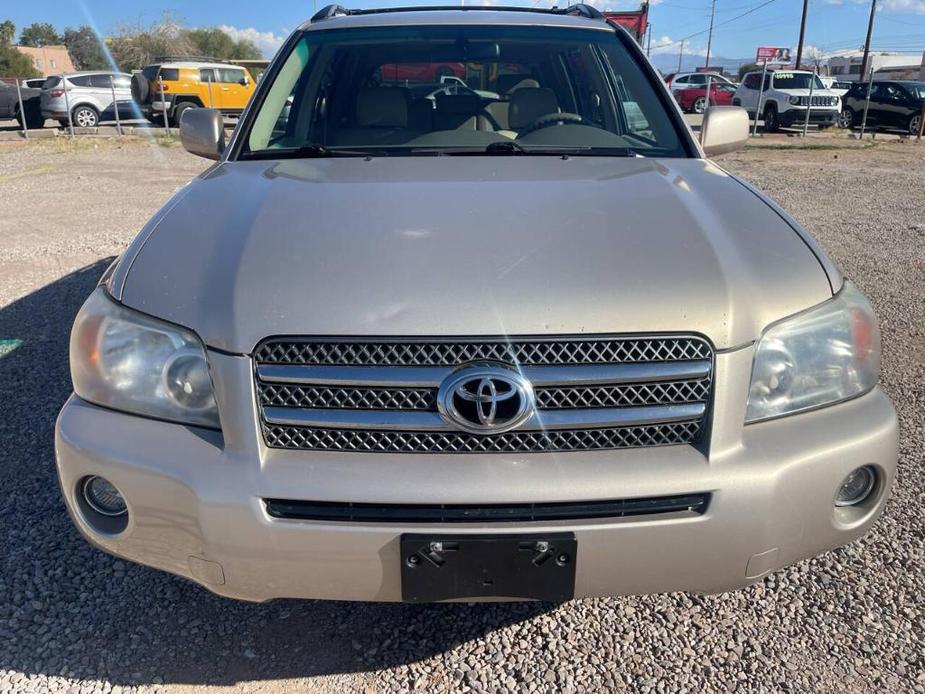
(74, 619)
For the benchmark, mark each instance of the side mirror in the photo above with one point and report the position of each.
(724, 129)
(202, 132)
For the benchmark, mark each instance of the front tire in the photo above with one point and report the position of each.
(914, 124)
(85, 117)
(846, 118)
(178, 112)
(771, 121)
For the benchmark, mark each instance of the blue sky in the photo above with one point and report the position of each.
(833, 25)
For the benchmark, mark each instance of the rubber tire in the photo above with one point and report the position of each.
(84, 107)
(912, 127)
(140, 88)
(178, 112)
(34, 120)
(771, 125)
(842, 118)
(703, 105)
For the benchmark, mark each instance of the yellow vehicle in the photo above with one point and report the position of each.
(174, 87)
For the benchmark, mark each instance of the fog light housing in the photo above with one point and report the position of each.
(856, 487)
(103, 497)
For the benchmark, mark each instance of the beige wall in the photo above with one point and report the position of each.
(49, 60)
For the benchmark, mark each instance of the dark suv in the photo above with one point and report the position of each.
(893, 106)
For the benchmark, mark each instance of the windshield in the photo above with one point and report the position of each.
(796, 80)
(455, 89)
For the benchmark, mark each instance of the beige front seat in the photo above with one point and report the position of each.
(506, 85)
(381, 118)
(527, 105)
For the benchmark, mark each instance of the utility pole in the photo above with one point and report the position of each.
(649, 43)
(870, 30)
(802, 33)
(680, 55)
(710, 35)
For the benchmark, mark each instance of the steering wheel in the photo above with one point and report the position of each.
(551, 119)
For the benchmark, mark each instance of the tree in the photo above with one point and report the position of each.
(12, 62)
(133, 47)
(40, 34)
(215, 43)
(748, 67)
(85, 49)
(7, 32)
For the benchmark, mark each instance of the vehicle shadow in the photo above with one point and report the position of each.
(68, 609)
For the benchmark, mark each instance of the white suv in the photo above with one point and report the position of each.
(784, 97)
(89, 98)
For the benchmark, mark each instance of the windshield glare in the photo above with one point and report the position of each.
(405, 90)
(796, 80)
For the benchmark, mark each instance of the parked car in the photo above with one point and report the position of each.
(784, 98)
(893, 106)
(835, 86)
(694, 99)
(191, 84)
(89, 98)
(685, 80)
(370, 357)
(9, 105)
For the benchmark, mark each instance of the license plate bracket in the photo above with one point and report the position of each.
(436, 567)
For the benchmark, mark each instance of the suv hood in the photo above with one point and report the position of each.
(466, 246)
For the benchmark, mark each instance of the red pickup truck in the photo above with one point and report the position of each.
(694, 99)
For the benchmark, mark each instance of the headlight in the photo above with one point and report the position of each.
(795, 100)
(129, 361)
(822, 356)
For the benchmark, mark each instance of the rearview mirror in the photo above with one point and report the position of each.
(724, 129)
(202, 132)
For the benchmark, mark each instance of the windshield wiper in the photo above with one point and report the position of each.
(510, 147)
(309, 151)
(505, 147)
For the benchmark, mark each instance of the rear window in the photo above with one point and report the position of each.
(102, 81)
(51, 83)
(432, 88)
(169, 74)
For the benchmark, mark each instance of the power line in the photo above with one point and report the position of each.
(723, 23)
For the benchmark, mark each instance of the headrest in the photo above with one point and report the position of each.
(507, 83)
(382, 107)
(465, 104)
(529, 103)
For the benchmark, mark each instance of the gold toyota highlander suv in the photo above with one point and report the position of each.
(506, 336)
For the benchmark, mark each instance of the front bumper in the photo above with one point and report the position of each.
(817, 116)
(196, 505)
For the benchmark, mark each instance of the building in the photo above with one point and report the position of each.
(848, 67)
(49, 60)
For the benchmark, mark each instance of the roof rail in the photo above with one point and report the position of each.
(329, 11)
(198, 58)
(577, 10)
(580, 10)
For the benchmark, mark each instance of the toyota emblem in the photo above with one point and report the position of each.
(486, 399)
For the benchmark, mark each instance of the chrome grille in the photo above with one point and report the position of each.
(347, 398)
(591, 393)
(522, 442)
(624, 395)
(534, 352)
